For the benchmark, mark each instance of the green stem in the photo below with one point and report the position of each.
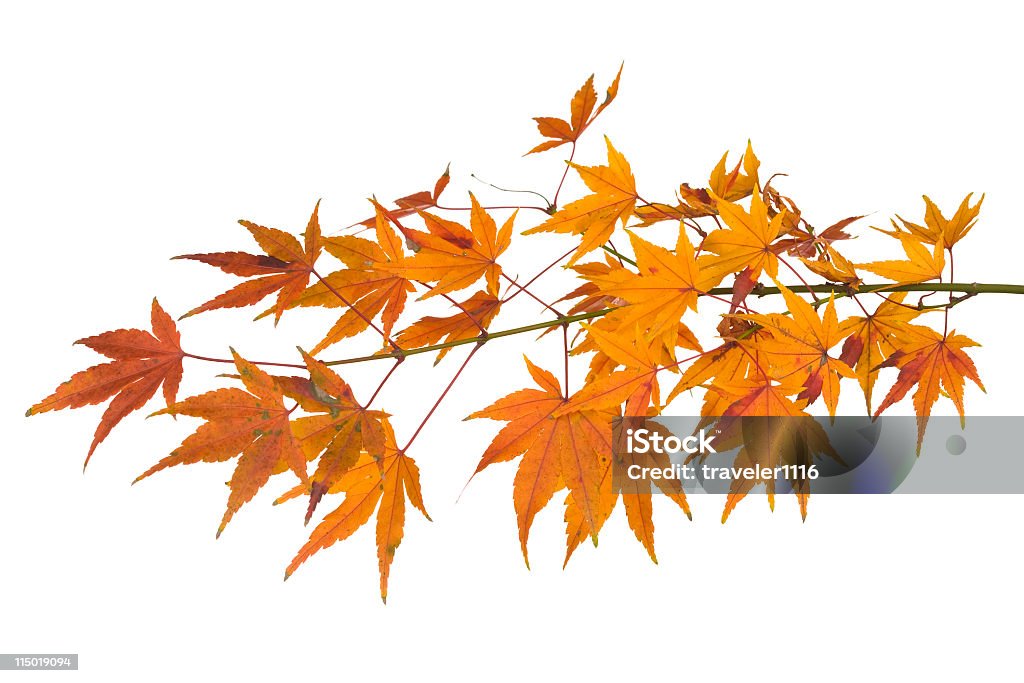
(563, 320)
(841, 290)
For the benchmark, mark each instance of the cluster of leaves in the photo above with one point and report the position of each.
(630, 316)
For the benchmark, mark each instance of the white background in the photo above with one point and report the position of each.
(131, 134)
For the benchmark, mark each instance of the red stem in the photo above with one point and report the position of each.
(441, 397)
(530, 294)
(398, 361)
(488, 208)
(554, 202)
(565, 348)
(352, 308)
(534, 278)
(798, 277)
(453, 302)
(254, 362)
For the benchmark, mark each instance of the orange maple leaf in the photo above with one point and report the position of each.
(701, 201)
(666, 286)
(941, 231)
(920, 266)
(474, 313)
(338, 431)
(766, 443)
(452, 256)
(933, 363)
(746, 242)
(869, 342)
(142, 362)
(253, 423)
(799, 347)
(582, 114)
(372, 484)
(285, 268)
(596, 215)
(734, 185)
(559, 451)
(365, 285)
(834, 267)
(417, 201)
(637, 385)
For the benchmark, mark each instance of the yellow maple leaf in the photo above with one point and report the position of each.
(596, 215)
(920, 266)
(744, 243)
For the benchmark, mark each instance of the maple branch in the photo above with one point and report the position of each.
(968, 289)
(840, 290)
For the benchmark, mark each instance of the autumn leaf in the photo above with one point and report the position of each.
(637, 498)
(474, 313)
(252, 423)
(745, 242)
(582, 114)
(415, 202)
(666, 286)
(365, 286)
(370, 485)
(941, 231)
(454, 257)
(799, 347)
(766, 443)
(735, 185)
(869, 342)
(285, 267)
(637, 385)
(596, 215)
(142, 362)
(338, 431)
(597, 275)
(920, 266)
(934, 363)
(807, 244)
(698, 202)
(834, 267)
(559, 451)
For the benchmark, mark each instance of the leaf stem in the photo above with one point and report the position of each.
(355, 310)
(524, 290)
(568, 164)
(443, 394)
(398, 361)
(254, 362)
